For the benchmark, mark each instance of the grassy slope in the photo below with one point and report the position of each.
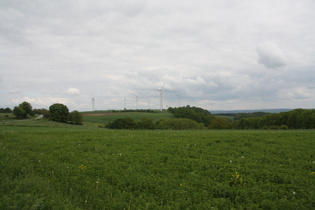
(64, 166)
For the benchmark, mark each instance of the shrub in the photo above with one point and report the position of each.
(75, 118)
(146, 123)
(122, 123)
(220, 123)
(178, 124)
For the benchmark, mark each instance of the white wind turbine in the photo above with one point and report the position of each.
(125, 100)
(136, 99)
(93, 104)
(161, 96)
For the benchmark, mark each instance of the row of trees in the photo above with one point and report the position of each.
(174, 124)
(294, 119)
(197, 118)
(57, 112)
(184, 118)
(5, 110)
(239, 116)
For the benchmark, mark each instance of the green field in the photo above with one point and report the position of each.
(6, 116)
(47, 165)
(111, 116)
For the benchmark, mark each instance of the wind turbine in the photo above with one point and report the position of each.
(161, 96)
(93, 104)
(136, 100)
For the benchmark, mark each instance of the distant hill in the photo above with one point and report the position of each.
(248, 111)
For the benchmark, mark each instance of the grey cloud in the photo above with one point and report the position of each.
(205, 50)
(270, 55)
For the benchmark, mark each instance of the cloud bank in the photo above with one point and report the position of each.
(214, 54)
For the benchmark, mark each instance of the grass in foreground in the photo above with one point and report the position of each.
(79, 168)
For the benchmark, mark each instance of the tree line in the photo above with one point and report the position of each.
(5, 110)
(198, 118)
(184, 118)
(145, 123)
(56, 112)
(294, 119)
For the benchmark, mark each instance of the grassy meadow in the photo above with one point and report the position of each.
(48, 165)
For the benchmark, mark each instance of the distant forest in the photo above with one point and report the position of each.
(294, 119)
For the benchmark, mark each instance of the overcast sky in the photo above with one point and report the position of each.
(218, 55)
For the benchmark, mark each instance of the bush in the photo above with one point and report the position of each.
(146, 123)
(124, 123)
(75, 118)
(220, 123)
(178, 124)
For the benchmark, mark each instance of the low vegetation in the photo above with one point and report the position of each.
(75, 167)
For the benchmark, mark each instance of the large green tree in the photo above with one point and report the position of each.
(23, 110)
(27, 107)
(59, 112)
(19, 112)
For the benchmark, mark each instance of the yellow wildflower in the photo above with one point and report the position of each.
(82, 167)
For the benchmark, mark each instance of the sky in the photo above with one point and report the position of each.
(217, 55)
